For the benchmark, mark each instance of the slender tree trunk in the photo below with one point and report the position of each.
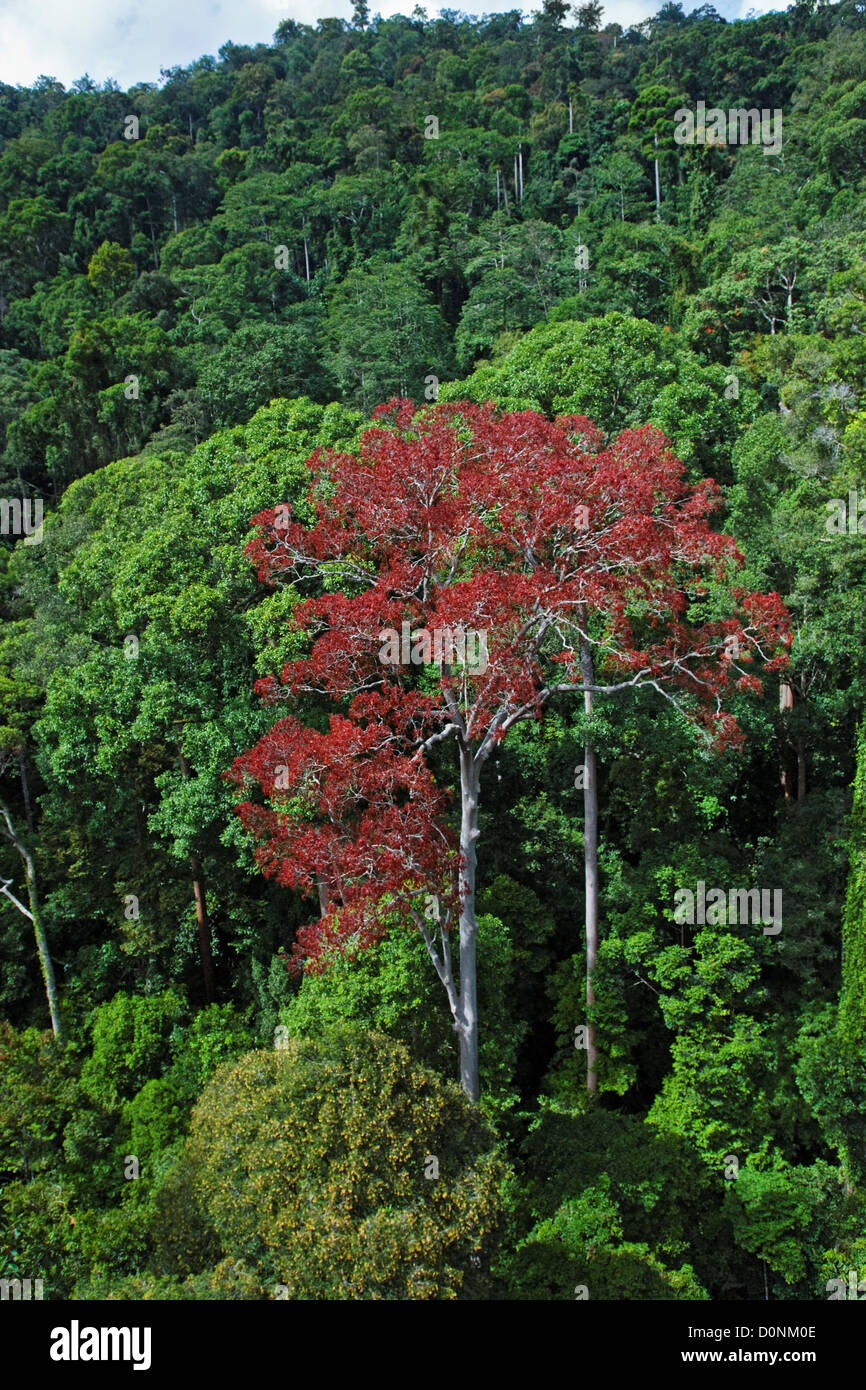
(467, 1025)
(590, 855)
(658, 183)
(25, 789)
(202, 926)
(152, 235)
(801, 772)
(45, 962)
(786, 702)
(198, 889)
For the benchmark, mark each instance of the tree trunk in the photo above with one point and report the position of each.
(45, 962)
(801, 772)
(467, 1023)
(658, 183)
(785, 781)
(25, 790)
(202, 926)
(198, 889)
(786, 702)
(590, 855)
(152, 235)
(323, 894)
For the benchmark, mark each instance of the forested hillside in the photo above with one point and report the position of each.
(437, 324)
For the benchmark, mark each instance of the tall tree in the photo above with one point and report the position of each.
(574, 569)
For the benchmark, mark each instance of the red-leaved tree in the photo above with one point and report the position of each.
(585, 569)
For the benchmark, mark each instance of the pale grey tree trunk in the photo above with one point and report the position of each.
(45, 962)
(467, 1023)
(658, 183)
(590, 852)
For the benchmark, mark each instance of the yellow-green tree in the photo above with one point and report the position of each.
(336, 1167)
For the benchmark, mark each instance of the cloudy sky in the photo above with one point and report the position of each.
(131, 40)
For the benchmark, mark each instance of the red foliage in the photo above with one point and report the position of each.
(456, 515)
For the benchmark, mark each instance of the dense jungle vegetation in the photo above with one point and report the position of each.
(207, 288)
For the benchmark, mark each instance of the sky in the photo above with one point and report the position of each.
(132, 40)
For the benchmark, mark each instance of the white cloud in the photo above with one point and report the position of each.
(65, 39)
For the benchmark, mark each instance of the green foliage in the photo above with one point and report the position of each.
(852, 1004)
(383, 336)
(614, 1210)
(772, 1210)
(259, 363)
(37, 1094)
(38, 1238)
(131, 1040)
(390, 988)
(184, 320)
(332, 1135)
(831, 1076)
(111, 268)
(156, 1117)
(580, 1252)
(620, 372)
